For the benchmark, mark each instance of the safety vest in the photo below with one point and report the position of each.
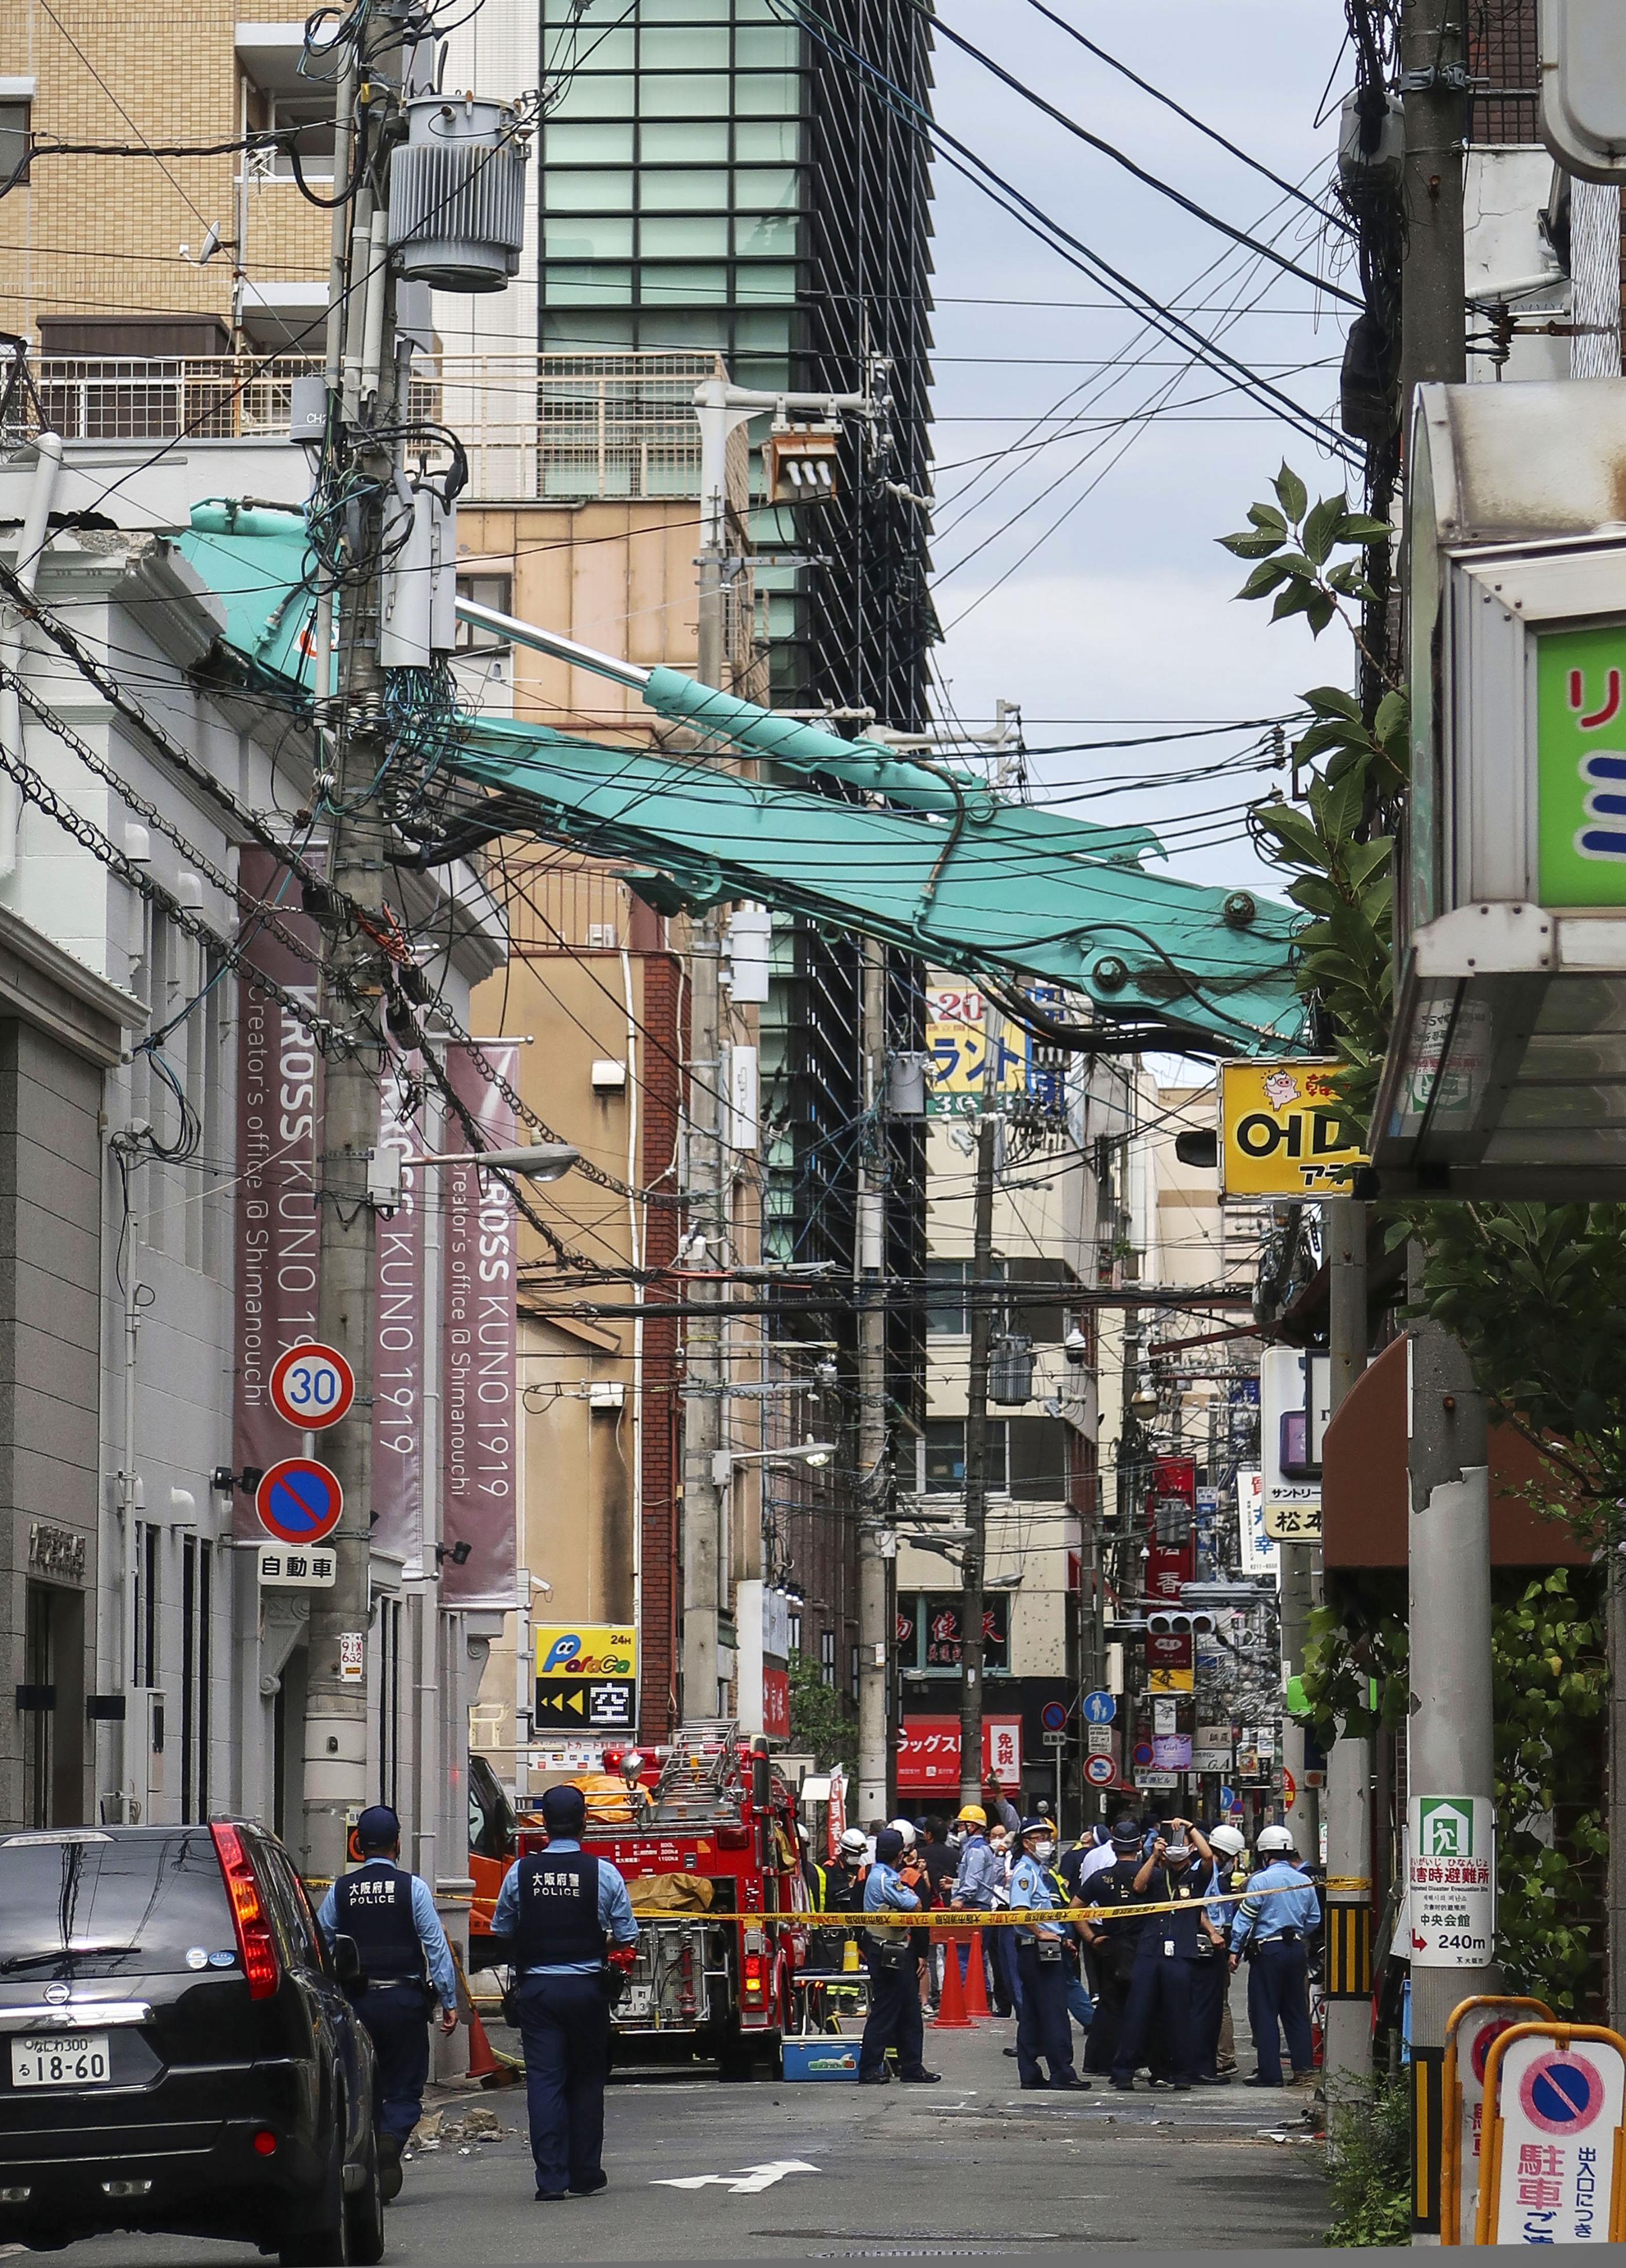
(559, 1922)
(373, 1908)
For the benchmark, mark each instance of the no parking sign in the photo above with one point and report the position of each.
(1556, 2095)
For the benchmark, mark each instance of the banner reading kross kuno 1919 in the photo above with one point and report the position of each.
(479, 1450)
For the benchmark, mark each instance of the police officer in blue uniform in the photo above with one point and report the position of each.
(894, 2020)
(1157, 2018)
(1042, 2026)
(391, 1918)
(560, 1914)
(1269, 1933)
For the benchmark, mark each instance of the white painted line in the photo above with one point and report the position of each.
(750, 2182)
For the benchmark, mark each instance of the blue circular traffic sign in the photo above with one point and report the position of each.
(299, 1501)
(1054, 1716)
(1098, 1708)
(1561, 2093)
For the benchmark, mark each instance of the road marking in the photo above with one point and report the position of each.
(748, 2182)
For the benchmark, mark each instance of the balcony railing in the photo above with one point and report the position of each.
(535, 426)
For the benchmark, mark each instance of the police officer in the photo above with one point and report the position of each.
(390, 1917)
(1112, 1944)
(566, 1924)
(1042, 2026)
(1217, 1852)
(1269, 1933)
(1156, 2017)
(894, 2019)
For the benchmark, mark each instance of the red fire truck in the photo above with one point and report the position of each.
(706, 1835)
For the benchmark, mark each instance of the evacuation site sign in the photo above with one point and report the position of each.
(1451, 1906)
(1556, 2093)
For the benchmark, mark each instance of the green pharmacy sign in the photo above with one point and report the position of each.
(1581, 766)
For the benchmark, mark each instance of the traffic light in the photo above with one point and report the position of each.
(1179, 1622)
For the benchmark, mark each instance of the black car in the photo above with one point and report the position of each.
(178, 2052)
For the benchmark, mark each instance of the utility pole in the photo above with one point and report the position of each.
(335, 1709)
(1346, 2053)
(1449, 1746)
(874, 1507)
(982, 1289)
(706, 1189)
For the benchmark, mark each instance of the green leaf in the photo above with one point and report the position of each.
(1320, 608)
(1294, 601)
(1247, 546)
(1267, 519)
(1360, 527)
(1263, 580)
(1332, 701)
(1322, 525)
(1292, 493)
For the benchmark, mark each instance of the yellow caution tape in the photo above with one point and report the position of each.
(960, 1917)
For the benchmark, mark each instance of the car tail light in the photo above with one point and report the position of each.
(755, 1977)
(255, 1941)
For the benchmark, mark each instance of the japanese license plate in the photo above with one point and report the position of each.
(62, 2060)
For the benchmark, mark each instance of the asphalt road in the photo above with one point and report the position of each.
(972, 2167)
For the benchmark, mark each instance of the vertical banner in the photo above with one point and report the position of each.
(279, 1095)
(478, 1442)
(399, 1324)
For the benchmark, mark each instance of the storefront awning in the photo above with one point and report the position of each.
(1365, 1497)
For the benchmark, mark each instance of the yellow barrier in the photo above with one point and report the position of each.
(960, 1917)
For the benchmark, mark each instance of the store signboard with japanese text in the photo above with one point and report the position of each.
(961, 1075)
(1259, 1553)
(1293, 1391)
(928, 1632)
(1280, 1133)
(1552, 2168)
(1579, 766)
(928, 1756)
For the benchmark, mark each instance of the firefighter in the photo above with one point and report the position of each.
(567, 1924)
(894, 2018)
(390, 1917)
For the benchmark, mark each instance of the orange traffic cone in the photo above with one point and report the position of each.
(975, 1985)
(490, 2069)
(951, 2016)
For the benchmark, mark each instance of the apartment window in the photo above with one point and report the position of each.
(144, 1635)
(827, 1657)
(312, 115)
(493, 591)
(16, 119)
(942, 1456)
(947, 1311)
(389, 1702)
(793, 1623)
(196, 1602)
(851, 1672)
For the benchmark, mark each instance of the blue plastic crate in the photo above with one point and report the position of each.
(819, 2058)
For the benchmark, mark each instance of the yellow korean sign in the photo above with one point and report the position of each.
(1280, 1135)
(586, 1650)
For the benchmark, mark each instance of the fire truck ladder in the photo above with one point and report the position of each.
(702, 1775)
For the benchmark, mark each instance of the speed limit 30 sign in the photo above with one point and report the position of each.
(312, 1387)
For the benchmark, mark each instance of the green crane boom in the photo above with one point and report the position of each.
(943, 867)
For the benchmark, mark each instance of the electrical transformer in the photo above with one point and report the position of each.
(457, 194)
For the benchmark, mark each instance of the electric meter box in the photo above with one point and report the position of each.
(1506, 1071)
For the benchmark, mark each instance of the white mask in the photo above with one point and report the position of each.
(1044, 1853)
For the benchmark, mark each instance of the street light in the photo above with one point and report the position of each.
(537, 1161)
(807, 1452)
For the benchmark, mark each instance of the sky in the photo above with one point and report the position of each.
(1121, 621)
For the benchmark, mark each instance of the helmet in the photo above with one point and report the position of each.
(1126, 1834)
(971, 1814)
(1228, 1841)
(1274, 1839)
(1036, 1825)
(854, 1843)
(906, 1827)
